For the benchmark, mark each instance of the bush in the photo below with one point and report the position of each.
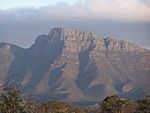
(11, 101)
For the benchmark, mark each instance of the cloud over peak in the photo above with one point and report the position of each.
(118, 10)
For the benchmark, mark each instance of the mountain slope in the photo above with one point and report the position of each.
(77, 66)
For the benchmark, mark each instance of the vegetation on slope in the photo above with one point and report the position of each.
(12, 101)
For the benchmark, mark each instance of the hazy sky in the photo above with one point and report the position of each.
(21, 21)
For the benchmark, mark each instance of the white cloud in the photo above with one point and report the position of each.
(118, 10)
(123, 10)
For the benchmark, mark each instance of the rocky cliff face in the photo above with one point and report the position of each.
(77, 66)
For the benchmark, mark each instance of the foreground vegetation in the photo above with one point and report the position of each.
(12, 101)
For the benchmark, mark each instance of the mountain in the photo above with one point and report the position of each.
(77, 66)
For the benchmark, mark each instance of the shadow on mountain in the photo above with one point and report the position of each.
(87, 68)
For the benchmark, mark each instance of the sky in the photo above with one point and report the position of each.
(21, 21)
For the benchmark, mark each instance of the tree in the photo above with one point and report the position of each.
(144, 105)
(112, 104)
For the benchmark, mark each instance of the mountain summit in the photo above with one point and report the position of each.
(77, 66)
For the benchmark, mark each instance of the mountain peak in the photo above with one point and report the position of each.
(63, 29)
(67, 34)
(79, 39)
